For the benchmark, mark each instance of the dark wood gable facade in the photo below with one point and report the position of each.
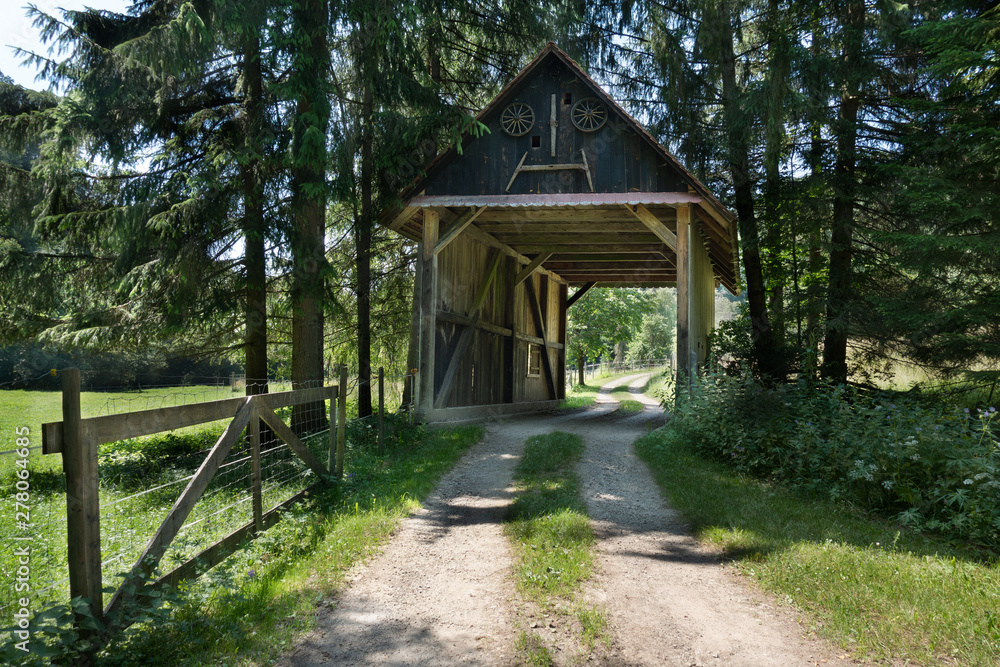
(565, 192)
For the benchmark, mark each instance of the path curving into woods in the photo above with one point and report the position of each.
(441, 591)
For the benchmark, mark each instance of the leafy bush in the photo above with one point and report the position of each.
(931, 467)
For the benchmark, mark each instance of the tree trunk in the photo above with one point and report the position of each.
(736, 128)
(814, 296)
(777, 84)
(312, 115)
(413, 349)
(839, 289)
(254, 226)
(363, 245)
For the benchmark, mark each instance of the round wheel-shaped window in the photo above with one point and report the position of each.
(517, 119)
(589, 114)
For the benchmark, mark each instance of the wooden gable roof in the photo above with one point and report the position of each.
(553, 183)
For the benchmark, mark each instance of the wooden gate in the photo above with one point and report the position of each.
(78, 439)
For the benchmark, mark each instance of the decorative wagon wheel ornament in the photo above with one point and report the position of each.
(517, 119)
(589, 114)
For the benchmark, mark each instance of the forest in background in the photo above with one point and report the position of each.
(208, 179)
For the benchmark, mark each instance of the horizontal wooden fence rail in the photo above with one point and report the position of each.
(112, 428)
(77, 439)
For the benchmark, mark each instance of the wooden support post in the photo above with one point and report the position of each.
(553, 123)
(83, 514)
(255, 472)
(428, 315)
(341, 421)
(683, 297)
(334, 393)
(381, 410)
(563, 309)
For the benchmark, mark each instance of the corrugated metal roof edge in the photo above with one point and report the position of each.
(559, 199)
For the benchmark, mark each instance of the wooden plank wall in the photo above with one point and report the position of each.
(494, 367)
(620, 160)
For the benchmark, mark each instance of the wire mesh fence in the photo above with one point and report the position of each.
(140, 479)
(604, 368)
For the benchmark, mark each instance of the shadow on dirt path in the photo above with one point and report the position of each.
(441, 591)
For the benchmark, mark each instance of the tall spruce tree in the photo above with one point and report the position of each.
(171, 97)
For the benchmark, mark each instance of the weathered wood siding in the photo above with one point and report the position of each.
(702, 299)
(494, 367)
(620, 160)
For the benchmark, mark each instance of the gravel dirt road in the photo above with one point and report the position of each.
(441, 592)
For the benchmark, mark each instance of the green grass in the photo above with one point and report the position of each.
(580, 396)
(625, 401)
(872, 588)
(584, 395)
(661, 387)
(552, 539)
(249, 609)
(532, 651)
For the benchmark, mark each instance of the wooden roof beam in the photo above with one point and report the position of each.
(589, 248)
(530, 268)
(458, 226)
(536, 227)
(609, 267)
(493, 242)
(400, 219)
(622, 278)
(654, 225)
(576, 239)
(579, 293)
(608, 257)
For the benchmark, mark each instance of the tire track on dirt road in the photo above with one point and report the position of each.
(441, 591)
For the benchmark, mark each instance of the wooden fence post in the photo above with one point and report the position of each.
(341, 421)
(413, 393)
(255, 472)
(381, 410)
(83, 512)
(334, 394)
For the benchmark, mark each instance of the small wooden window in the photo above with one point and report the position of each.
(534, 360)
(567, 98)
(536, 141)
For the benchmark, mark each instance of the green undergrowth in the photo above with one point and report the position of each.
(249, 609)
(661, 386)
(876, 589)
(552, 538)
(930, 467)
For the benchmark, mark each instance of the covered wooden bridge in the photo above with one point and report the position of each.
(565, 193)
